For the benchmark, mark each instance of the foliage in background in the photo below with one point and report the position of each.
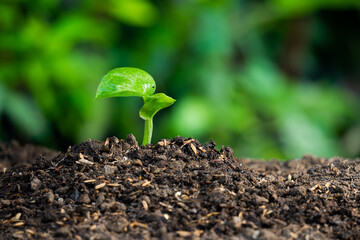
(268, 78)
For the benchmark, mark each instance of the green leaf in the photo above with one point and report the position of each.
(153, 104)
(126, 81)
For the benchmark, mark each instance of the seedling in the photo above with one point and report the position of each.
(127, 82)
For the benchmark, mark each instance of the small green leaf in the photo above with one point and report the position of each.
(153, 104)
(126, 81)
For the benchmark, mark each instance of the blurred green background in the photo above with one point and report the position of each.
(271, 79)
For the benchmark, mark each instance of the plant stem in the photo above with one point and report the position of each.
(148, 131)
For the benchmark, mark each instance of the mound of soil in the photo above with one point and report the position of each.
(175, 189)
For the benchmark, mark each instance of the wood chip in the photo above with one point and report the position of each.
(113, 184)
(137, 184)
(315, 187)
(177, 195)
(183, 233)
(78, 237)
(225, 205)
(106, 142)
(193, 148)
(18, 224)
(289, 177)
(184, 197)
(84, 161)
(16, 218)
(117, 214)
(101, 185)
(188, 141)
(198, 232)
(268, 212)
(19, 234)
(145, 205)
(90, 181)
(202, 149)
(58, 168)
(163, 143)
(137, 162)
(169, 207)
(146, 183)
(183, 206)
(203, 218)
(212, 214)
(137, 224)
(29, 231)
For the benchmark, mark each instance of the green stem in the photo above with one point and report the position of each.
(148, 131)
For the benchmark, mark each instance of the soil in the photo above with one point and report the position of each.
(175, 189)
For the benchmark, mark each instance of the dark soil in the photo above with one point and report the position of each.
(175, 189)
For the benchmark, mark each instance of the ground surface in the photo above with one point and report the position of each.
(175, 189)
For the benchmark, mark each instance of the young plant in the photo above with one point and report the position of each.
(126, 82)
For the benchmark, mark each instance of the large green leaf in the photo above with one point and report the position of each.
(153, 104)
(126, 81)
